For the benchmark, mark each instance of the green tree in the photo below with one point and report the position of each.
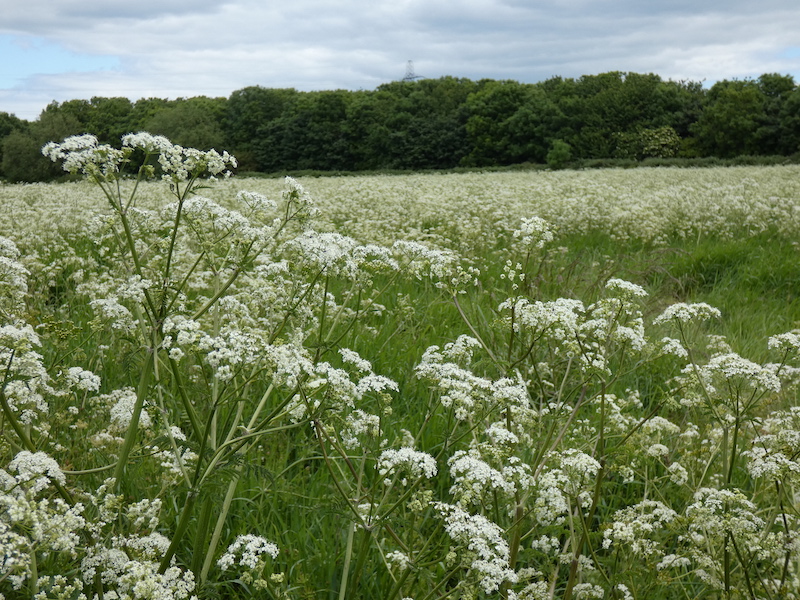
(191, 122)
(790, 122)
(599, 110)
(22, 148)
(776, 135)
(509, 123)
(248, 115)
(309, 134)
(559, 155)
(731, 119)
(107, 118)
(426, 122)
(659, 142)
(8, 124)
(143, 110)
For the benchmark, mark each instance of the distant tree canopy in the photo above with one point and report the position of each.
(438, 123)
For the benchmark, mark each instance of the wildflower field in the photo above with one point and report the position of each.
(520, 385)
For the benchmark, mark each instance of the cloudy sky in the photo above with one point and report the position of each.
(67, 49)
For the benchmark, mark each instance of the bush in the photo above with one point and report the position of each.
(559, 155)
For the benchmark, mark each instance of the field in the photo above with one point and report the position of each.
(520, 385)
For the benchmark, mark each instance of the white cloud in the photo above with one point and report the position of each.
(171, 48)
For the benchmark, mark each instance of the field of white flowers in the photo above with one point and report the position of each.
(472, 385)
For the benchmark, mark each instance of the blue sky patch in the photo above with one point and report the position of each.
(23, 56)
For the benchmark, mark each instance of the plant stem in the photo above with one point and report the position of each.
(348, 553)
(180, 530)
(133, 426)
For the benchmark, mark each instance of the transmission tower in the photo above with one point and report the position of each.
(410, 76)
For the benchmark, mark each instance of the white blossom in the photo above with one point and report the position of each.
(247, 551)
(487, 551)
(413, 462)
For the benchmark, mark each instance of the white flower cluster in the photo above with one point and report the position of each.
(27, 381)
(685, 313)
(340, 389)
(130, 570)
(179, 163)
(250, 550)
(674, 347)
(134, 288)
(36, 469)
(788, 342)
(534, 232)
(615, 318)
(29, 523)
(60, 587)
(572, 477)
(398, 560)
(486, 551)
(461, 389)
(441, 266)
(730, 368)
(83, 380)
(716, 514)
(211, 222)
(226, 352)
(637, 527)
(556, 320)
(775, 451)
(299, 201)
(255, 202)
(328, 253)
(143, 515)
(393, 462)
(120, 404)
(13, 279)
(336, 255)
(474, 479)
(358, 425)
(84, 154)
(110, 310)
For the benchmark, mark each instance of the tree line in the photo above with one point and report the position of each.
(438, 123)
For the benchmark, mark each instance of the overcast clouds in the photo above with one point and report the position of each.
(67, 49)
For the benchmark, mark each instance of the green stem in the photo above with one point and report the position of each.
(441, 583)
(173, 237)
(398, 585)
(348, 553)
(187, 403)
(215, 536)
(226, 505)
(180, 531)
(15, 425)
(740, 558)
(511, 333)
(200, 536)
(323, 313)
(230, 281)
(133, 426)
(474, 331)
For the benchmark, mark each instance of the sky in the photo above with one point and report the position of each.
(59, 50)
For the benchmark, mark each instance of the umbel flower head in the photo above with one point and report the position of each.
(84, 154)
(102, 162)
(485, 549)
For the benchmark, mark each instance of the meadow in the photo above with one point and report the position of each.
(522, 385)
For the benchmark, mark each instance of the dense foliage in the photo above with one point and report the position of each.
(439, 123)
